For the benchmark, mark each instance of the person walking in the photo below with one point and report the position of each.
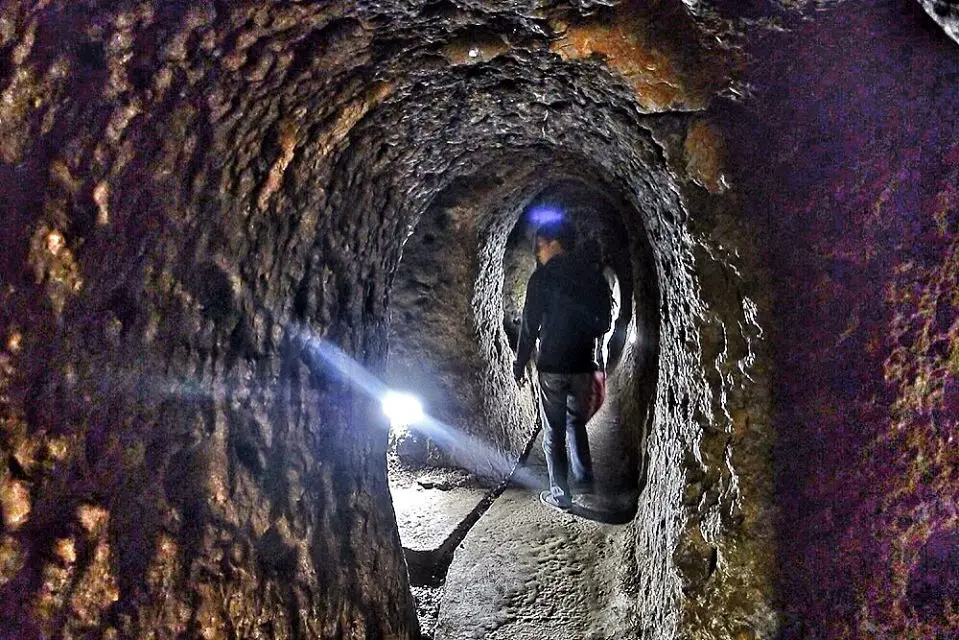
(568, 309)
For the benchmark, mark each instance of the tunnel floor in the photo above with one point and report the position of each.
(521, 570)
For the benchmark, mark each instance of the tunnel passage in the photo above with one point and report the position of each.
(598, 215)
(203, 197)
(445, 346)
(442, 347)
(468, 223)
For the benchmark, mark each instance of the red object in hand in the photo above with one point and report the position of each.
(597, 394)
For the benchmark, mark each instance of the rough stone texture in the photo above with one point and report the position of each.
(194, 191)
(444, 345)
(552, 576)
(710, 436)
(946, 13)
(431, 506)
(654, 46)
(856, 206)
(434, 350)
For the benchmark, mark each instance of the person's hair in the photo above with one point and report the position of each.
(559, 230)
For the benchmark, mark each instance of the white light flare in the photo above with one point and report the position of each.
(466, 451)
(402, 409)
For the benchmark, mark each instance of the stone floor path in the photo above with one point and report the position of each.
(528, 572)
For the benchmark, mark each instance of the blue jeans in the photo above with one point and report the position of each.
(564, 421)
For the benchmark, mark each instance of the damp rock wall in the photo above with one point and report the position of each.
(856, 207)
(179, 455)
(703, 418)
(205, 209)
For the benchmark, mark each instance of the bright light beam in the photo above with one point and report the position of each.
(402, 409)
(347, 366)
(468, 451)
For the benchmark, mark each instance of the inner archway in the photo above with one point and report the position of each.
(598, 215)
(444, 329)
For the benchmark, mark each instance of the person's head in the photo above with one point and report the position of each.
(553, 239)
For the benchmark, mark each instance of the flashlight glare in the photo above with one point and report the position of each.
(402, 409)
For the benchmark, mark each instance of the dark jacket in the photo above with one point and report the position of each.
(568, 309)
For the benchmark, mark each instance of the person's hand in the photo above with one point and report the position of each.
(518, 372)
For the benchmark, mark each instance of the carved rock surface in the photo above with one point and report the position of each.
(946, 13)
(856, 204)
(205, 208)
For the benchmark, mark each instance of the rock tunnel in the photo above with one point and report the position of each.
(225, 225)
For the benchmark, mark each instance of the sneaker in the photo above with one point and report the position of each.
(557, 499)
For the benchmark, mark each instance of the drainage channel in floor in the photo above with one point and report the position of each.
(435, 510)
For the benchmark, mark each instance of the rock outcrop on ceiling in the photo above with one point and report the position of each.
(946, 13)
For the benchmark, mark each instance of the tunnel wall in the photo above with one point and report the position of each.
(856, 205)
(219, 189)
(444, 341)
(177, 457)
(194, 192)
(707, 487)
(434, 350)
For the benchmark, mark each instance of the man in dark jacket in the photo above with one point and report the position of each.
(568, 309)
